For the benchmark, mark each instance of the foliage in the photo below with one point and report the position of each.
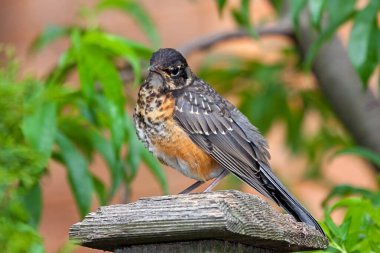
(21, 166)
(135, 10)
(50, 119)
(364, 37)
(367, 154)
(326, 17)
(360, 228)
(93, 119)
(241, 15)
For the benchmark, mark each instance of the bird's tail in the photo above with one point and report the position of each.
(285, 199)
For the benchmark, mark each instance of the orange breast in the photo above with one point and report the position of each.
(176, 149)
(179, 146)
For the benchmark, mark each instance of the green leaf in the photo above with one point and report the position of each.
(316, 10)
(86, 75)
(155, 168)
(221, 4)
(110, 155)
(346, 190)
(366, 70)
(134, 149)
(49, 34)
(78, 174)
(340, 11)
(277, 4)
(39, 127)
(360, 215)
(77, 129)
(363, 33)
(119, 45)
(294, 119)
(137, 12)
(89, 138)
(103, 69)
(100, 190)
(295, 12)
(244, 10)
(362, 152)
(262, 110)
(331, 225)
(33, 204)
(344, 229)
(337, 232)
(103, 146)
(117, 126)
(242, 17)
(359, 231)
(100, 67)
(127, 49)
(345, 203)
(65, 63)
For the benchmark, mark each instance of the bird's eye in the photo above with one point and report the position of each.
(174, 71)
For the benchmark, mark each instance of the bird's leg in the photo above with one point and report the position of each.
(216, 181)
(192, 187)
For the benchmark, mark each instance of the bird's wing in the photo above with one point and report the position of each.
(224, 133)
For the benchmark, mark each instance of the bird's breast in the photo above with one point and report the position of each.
(161, 134)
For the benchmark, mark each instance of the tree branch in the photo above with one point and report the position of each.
(356, 107)
(283, 28)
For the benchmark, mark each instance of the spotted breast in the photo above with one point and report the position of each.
(161, 134)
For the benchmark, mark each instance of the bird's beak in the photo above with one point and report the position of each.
(154, 77)
(153, 68)
(156, 69)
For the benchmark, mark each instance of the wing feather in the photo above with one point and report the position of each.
(226, 135)
(218, 128)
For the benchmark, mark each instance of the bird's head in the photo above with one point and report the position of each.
(169, 67)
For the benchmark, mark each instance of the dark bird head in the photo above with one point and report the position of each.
(172, 68)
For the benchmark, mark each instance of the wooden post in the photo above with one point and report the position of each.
(221, 221)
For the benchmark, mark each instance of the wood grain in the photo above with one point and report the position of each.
(216, 219)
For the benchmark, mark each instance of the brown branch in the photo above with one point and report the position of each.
(356, 107)
(283, 28)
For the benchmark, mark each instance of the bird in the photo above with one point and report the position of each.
(188, 126)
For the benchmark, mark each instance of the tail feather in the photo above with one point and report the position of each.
(286, 200)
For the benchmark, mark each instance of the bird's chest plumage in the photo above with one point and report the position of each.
(159, 132)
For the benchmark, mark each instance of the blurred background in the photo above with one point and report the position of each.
(70, 72)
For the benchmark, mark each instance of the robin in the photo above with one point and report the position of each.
(188, 126)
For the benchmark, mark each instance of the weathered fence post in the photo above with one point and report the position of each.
(221, 221)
